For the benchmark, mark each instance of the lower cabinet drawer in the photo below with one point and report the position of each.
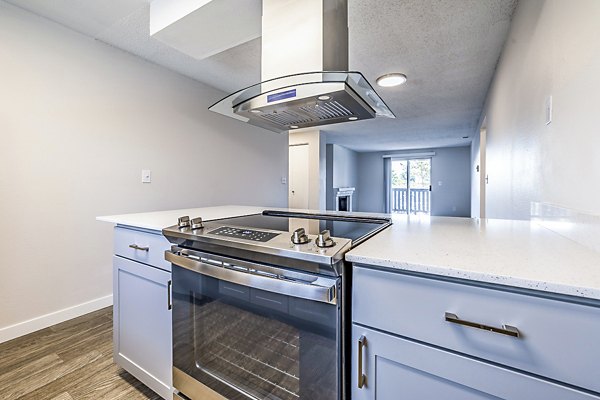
(400, 369)
(145, 247)
(558, 340)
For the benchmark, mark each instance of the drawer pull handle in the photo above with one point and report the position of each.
(169, 295)
(362, 378)
(505, 330)
(136, 247)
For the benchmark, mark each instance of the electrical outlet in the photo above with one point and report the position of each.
(146, 176)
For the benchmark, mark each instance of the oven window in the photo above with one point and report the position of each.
(246, 343)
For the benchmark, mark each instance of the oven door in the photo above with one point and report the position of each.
(248, 331)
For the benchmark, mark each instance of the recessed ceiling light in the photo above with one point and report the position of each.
(293, 126)
(255, 111)
(324, 97)
(352, 118)
(393, 79)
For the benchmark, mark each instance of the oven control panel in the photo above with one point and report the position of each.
(242, 233)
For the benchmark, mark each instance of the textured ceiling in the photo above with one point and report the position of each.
(447, 48)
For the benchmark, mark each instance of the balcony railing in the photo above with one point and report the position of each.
(413, 201)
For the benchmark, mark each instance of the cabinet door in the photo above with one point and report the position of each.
(142, 323)
(558, 340)
(400, 369)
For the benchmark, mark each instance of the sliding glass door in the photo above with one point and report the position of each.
(410, 186)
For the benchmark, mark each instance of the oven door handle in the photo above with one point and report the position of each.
(299, 289)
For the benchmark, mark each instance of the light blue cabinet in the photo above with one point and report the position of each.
(399, 369)
(142, 331)
(430, 338)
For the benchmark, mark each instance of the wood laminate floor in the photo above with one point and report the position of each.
(69, 361)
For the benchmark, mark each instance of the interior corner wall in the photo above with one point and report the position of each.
(450, 179)
(79, 121)
(553, 49)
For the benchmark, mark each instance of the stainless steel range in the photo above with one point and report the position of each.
(260, 303)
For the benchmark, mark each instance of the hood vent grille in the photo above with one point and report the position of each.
(308, 114)
(326, 110)
(286, 118)
(292, 102)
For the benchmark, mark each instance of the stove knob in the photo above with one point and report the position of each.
(183, 222)
(300, 237)
(197, 223)
(324, 239)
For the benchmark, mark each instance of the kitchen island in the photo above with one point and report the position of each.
(457, 306)
(142, 320)
(467, 308)
(518, 254)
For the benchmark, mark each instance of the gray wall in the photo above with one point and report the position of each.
(451, 182)
(450, 166)
(371, 185)
(79, 121)
(342, 171)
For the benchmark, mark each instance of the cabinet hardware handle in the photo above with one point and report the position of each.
(136, 247)
(169, 295)
(505, 330)
(362, 378)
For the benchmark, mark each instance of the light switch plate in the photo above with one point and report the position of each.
(283, 180)
(146, 176)
(548, 109)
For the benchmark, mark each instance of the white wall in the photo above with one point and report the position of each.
(553, 49)
(450, 166)
(475, 177)
(79, 120)
(316, 165)
(478, 174)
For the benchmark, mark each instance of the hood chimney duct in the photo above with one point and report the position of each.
(300, 36)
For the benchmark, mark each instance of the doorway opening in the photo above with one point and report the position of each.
(298, 176)
(410, 189)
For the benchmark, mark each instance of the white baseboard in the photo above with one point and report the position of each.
(44, 321)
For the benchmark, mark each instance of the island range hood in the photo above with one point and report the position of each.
(305, 100)
(292, 96)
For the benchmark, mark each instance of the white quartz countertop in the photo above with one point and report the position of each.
(520, 254)
(158, 220)
(513, 253)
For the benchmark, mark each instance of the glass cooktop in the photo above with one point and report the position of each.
(353, 228)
